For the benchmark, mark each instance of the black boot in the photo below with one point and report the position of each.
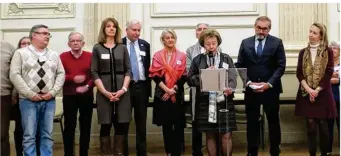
(105, 144)
(118, 145)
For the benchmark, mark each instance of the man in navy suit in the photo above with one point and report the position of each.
(264, 57)
(140, 86)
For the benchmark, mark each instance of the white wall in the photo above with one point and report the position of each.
(233, 21)
(334, 22)
(12, 28)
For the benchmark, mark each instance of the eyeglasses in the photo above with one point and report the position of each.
(44, 33)
(75, 41)
(262, 28)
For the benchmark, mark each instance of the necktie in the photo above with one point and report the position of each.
(259, 48)
(133, 62)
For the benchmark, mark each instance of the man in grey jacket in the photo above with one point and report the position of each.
(6, 92)
(192, 52)
(38, 74)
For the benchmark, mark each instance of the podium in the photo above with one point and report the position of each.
(215, 81)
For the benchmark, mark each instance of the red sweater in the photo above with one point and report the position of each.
(73, 67)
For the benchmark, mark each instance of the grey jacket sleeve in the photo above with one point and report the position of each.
(95, 64)
(188, 58)
(127, 65)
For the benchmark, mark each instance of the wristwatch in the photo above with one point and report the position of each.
(125, 89)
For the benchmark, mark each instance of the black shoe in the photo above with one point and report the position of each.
(252, 154)
(326, 154)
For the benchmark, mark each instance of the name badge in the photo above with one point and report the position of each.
(178, 62)
(225, 65)
(42, 58)
(105, 56)
(142, 53)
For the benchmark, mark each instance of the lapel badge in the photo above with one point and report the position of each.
(141, 45)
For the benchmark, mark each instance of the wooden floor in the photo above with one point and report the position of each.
(287, 150)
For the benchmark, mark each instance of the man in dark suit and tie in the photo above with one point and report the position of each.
(140, 86)
(264, 57)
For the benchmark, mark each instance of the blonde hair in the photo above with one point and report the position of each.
(102, 37)
(209, 33)
(323, 33)
(168, 30)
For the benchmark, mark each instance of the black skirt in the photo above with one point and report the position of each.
(226, 121)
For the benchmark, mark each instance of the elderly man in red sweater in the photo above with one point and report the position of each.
(77, 94)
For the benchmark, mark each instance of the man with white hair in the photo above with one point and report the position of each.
(140, 85)
(77, 94)
(38, 74)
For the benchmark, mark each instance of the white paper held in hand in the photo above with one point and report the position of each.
(256, 86)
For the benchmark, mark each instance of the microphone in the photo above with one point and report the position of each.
(210, 57)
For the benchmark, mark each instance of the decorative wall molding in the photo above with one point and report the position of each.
(16, 30)
(95, 13)
(257, 9)
(154, 38)
(295, 20)
(89, 25)
(186, 27)
(37, 10)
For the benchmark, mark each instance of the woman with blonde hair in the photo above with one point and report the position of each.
(314, 99)
(168, 70)
(111, 73)
(216, 131)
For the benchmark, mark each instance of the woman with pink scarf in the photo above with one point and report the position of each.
(168, 70)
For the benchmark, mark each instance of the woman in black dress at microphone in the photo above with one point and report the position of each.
(225, 124)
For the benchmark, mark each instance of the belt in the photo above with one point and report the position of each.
(108, 73)
(137, 82)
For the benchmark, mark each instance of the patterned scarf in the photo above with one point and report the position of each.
(314, 73)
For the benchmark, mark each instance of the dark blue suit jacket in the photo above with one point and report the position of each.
(144, 46)
(269, 67)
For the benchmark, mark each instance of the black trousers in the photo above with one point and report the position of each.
(5, 109)
(71, 105)
(172, 138)
(270, 101)
(139, 100)
(196, 134)
(331, 123)
(196, 141)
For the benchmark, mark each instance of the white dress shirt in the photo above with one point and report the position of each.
(139, 58)
(257, 42)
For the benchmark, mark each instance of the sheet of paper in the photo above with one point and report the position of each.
(255, 86)
(213, 79)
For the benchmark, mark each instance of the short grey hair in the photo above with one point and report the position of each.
(208, 26)
(131, 22)
(35, 27)
(334, 44)
(74, 33)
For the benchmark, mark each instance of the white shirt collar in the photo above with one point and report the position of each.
(35, 50)
(129, 42)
